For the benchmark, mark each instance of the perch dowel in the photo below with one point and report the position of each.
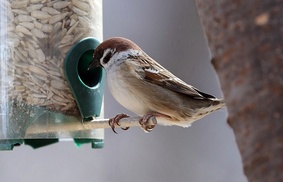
(39, 129)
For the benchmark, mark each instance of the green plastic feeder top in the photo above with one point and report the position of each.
(87, 85)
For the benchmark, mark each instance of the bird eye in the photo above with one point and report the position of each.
(107, 58)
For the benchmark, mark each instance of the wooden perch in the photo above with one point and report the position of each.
(41, 129)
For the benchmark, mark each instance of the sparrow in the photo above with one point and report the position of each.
(146, 88)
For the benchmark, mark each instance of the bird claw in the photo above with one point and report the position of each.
(115, 121)
(147, 125)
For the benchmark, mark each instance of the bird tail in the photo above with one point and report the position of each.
(218, 103)
(215, 105)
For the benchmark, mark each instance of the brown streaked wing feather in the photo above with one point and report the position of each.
(153, 72)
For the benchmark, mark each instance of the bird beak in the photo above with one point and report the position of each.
(94, 64)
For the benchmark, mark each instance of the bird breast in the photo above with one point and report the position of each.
(126, 90)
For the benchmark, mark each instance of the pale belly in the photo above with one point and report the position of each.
(126, 95)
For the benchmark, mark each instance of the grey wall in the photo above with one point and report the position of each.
(170, 32)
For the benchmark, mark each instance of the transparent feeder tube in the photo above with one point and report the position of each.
(35, 36)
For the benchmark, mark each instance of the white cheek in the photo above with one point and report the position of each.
(117, 58)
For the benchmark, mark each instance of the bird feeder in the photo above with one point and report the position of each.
(46, 93)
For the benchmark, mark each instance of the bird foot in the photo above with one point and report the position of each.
(147, 123)
(115, 121)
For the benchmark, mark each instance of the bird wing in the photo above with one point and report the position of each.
(150, 71)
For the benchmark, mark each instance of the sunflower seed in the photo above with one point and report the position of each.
(20, 88)
(83, 21)
(21, 65)
(72, 22)
(60, 99)
(54, 73)
(20, 11)
(56, 18)
(25, 18)
(61, 4)
(81, 5)
(23, 52)
(79, 11)
(38, 33)
(73, 27)
(19, 4)
(40, 15)
(49, 95)
(60, 85)
(50, 10)
(47, 28)
(37, 81)
(67, 39)
(37, 24)
(37, 70)
(77, 37)
(23, 30)
(32, 53)
(41, 56)
(34, 7)
(39, 96)
(28, 25)
(35, 1)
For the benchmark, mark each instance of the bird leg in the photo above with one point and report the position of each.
(147, 125)
(115, 121)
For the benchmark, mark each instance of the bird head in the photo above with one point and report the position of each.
(112, 50)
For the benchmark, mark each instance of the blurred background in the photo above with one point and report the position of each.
(170, 32)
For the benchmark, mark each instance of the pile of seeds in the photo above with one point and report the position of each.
(39, 34)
